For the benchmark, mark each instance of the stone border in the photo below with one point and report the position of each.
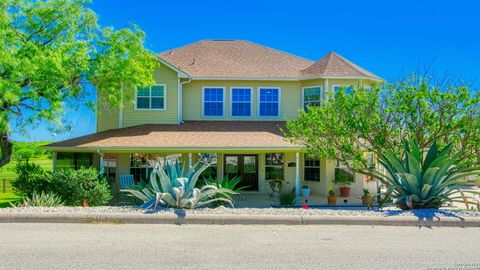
(170, 218)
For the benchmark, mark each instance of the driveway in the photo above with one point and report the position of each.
(111, 246)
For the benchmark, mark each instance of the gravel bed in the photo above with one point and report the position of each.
(248, 211)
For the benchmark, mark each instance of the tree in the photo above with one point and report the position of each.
(52, 51)
(371, 119)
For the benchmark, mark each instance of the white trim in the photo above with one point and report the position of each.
(223, 102)
(279, 101)
(313, 86)
(180, 73)
(285, 78)
(150, 96)
(251, 101)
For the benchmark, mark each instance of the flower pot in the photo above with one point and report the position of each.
(366, 200)
(85, 203)
(344, 191)
(306, 192)
(332, 199)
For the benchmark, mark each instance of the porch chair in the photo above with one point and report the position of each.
(126, 181)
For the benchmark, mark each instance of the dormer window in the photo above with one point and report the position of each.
(213, 101)
(151, 98)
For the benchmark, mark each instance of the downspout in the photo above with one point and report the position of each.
(120, 111)
(180, 99)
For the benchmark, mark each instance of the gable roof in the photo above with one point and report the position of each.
(191, 135)
(335, 65)
(239, 59)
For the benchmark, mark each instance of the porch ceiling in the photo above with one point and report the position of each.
(191, 136)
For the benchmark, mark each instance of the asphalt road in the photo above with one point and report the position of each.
(110, 246)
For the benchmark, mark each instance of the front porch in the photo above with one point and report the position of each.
(265, 200)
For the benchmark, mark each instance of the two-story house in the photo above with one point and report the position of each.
(220, 99)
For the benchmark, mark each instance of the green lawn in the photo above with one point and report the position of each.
(7, 172)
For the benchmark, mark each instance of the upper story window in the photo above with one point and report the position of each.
(348, 89)
(312, 96)
(269, 101)
(241, 101)
(151, 98)
(213, 98)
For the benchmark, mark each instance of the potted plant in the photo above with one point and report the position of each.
(305, 191)
(344, 179)
(331, 198)
(366, 196)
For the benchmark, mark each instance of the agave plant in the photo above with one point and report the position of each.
(425, 182)
(170, 186)
(40, 200)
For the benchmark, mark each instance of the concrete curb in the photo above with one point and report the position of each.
(169, 218)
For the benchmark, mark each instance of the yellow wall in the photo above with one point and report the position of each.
(108, 118)
(192, 99)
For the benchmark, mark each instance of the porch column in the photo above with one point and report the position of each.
(54, 161)
(190, 160)
(297, 178)
(100, 164)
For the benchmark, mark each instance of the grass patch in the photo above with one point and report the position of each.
(7, 198)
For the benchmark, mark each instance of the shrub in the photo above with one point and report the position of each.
(84, 184)
(343, 177)
(42, 200)
(30, 178)
(287, 198)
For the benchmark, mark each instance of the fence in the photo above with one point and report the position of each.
(6, 185)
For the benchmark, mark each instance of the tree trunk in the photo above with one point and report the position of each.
(6, 147)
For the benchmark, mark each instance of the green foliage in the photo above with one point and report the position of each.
(27, 150)
(31, 177)
(368, 119)
(366, 192)
(425, 181)
(287, 198)
(343, 177)
(226, 184)
(72, 186)
(51, 50)
(40, 200)
(75, 186)
(171, 186)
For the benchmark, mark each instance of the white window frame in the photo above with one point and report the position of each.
(203, 102)
(150, 97)
(305, 158)
(313, 86)
(231, 101)
(279, 102)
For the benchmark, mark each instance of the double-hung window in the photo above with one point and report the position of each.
(274, 166)
(213, 98)
(151, 98)
(269, 102)
(312, 96)
(312, 169)
(241, 101)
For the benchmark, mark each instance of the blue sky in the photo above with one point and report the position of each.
(389, 38)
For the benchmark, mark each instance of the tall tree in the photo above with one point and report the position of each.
(350, 124)
(51, 51)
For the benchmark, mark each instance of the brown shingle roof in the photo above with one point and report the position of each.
(244, 59)
(334, 65)
(190, 135)
(234, 59)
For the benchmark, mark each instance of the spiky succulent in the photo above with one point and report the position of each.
(40, 200)
(169, 186)
(425, 182)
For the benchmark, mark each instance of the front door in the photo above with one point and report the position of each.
(243, 166)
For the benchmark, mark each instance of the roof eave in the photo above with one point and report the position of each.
(174, 148)
(181, 73)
